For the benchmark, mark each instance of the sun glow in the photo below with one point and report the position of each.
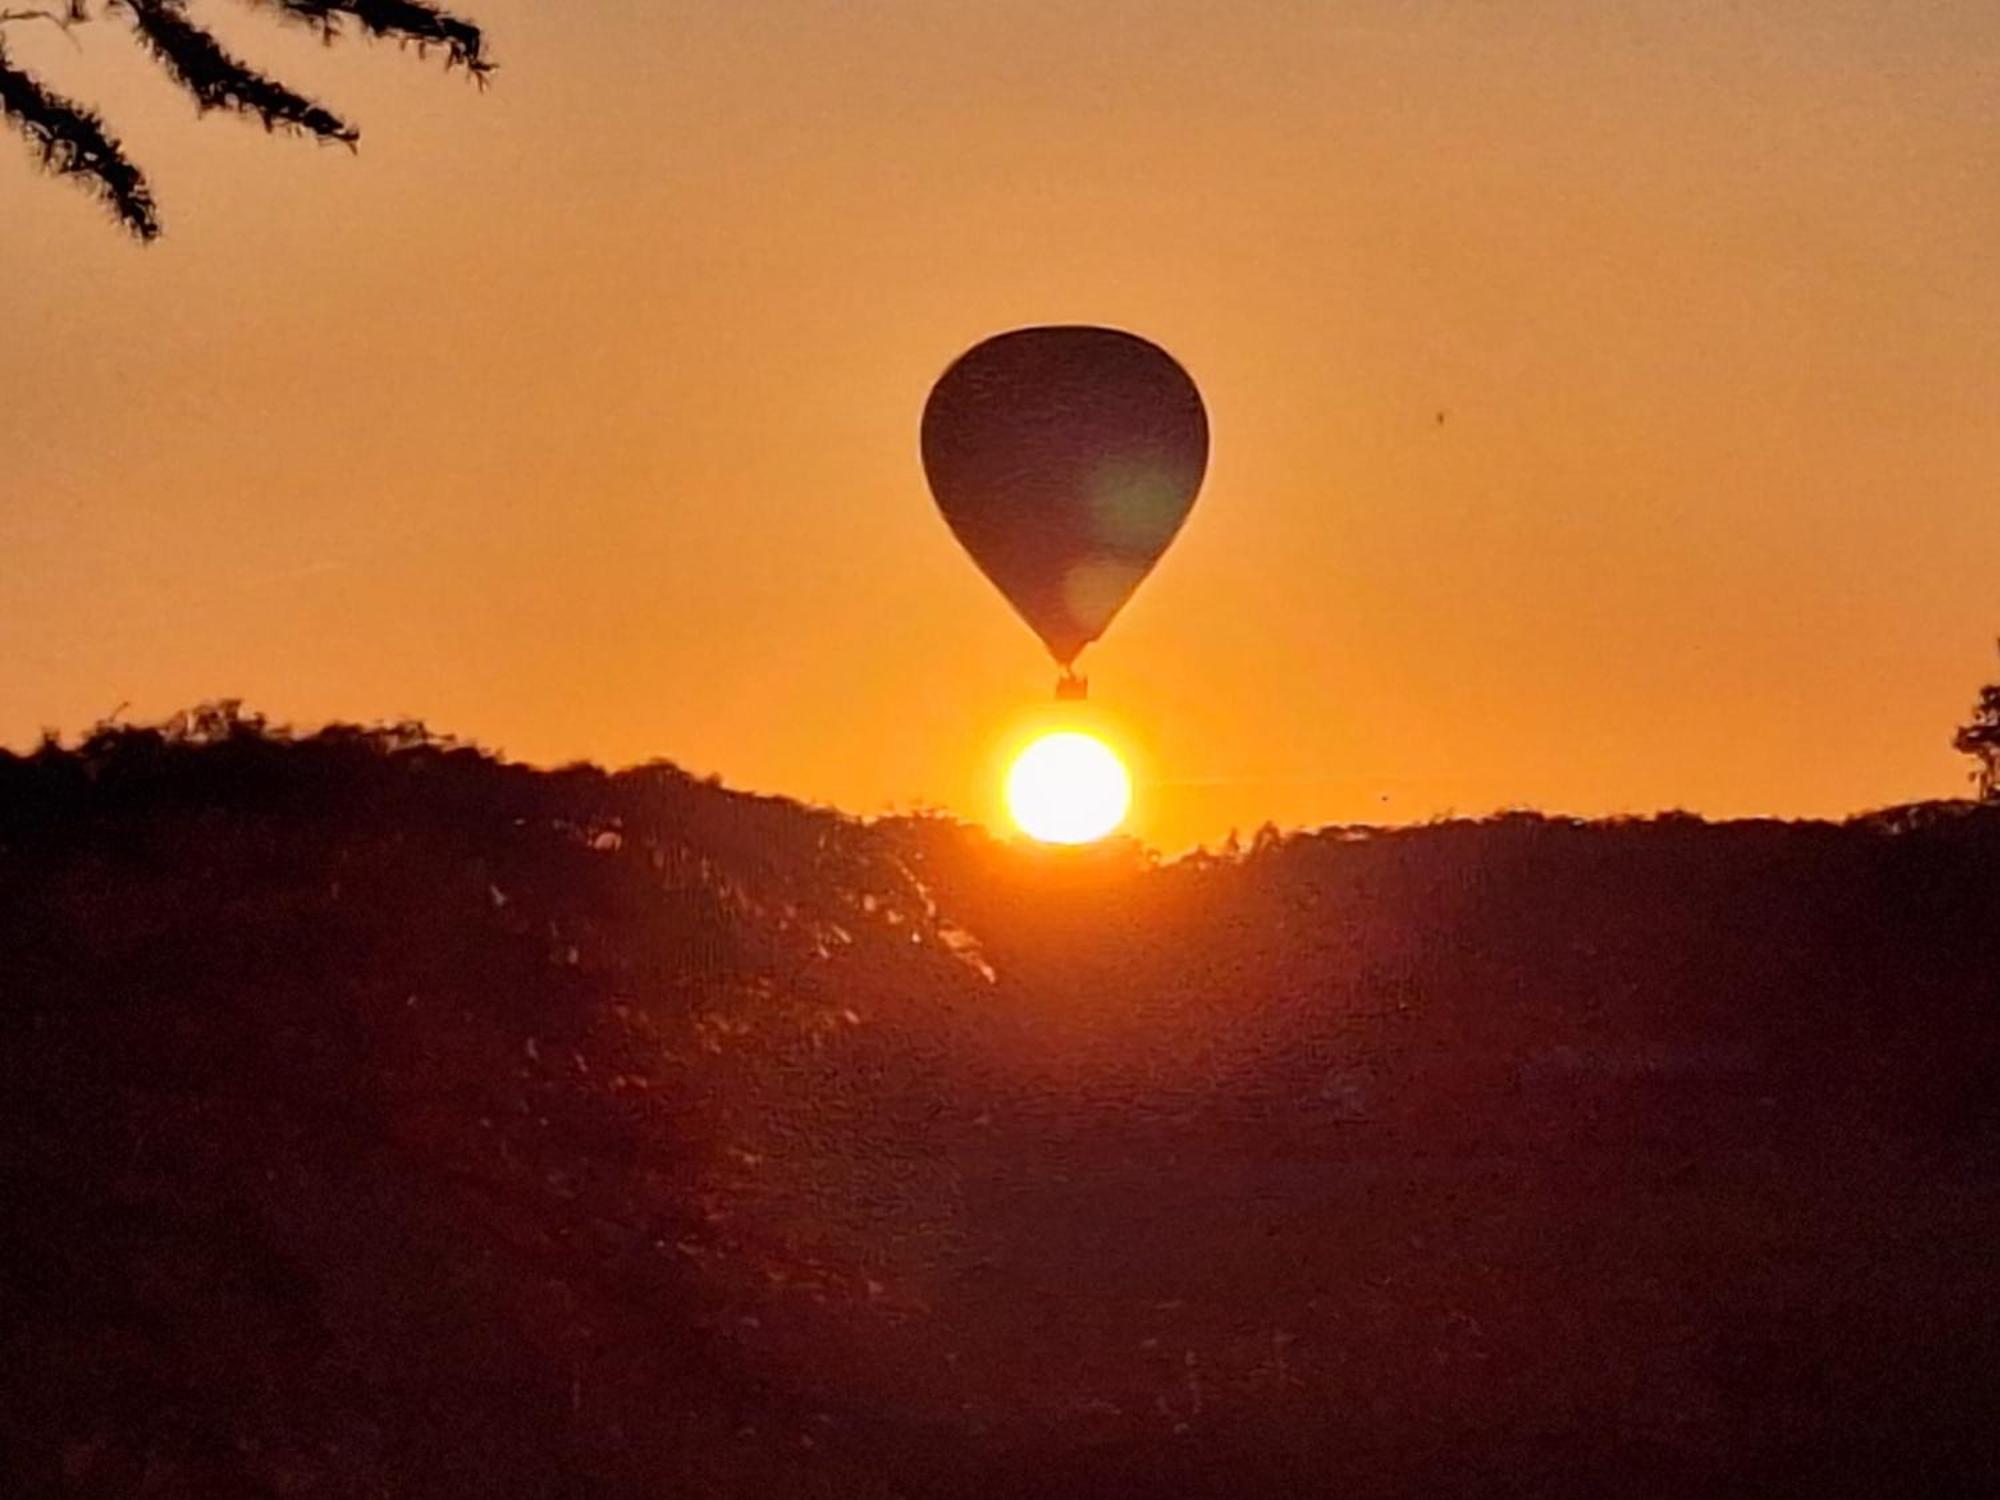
(1068, 788)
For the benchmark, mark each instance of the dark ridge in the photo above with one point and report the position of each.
(378, 1117)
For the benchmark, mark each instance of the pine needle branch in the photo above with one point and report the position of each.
(416, 21)
(197, 62)
(72, 142)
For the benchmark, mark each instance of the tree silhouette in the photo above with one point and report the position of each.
(72, 141)
(1980, 739)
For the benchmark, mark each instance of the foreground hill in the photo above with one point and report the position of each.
(379, 1119)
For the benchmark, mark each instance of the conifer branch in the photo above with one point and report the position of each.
(72, 142)
(197, 62)
(414, 21)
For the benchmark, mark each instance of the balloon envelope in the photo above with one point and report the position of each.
(1065, 460)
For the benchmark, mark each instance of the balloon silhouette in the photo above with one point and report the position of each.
(1065, 460)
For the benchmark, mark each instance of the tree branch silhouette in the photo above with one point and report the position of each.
(196, 61)
(71, 140)
(411, 21)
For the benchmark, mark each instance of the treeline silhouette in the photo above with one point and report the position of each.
(379, 1118)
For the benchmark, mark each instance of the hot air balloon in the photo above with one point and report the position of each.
(1065, 460)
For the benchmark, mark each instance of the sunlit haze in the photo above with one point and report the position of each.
(1601, 395)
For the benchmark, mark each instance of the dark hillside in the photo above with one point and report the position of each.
(379, 1119)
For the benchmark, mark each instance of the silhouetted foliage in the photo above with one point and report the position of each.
(377, 1117)
(1980, 739)
(196, 61)
(71, 140)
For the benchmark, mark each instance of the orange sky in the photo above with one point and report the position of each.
(580, 417)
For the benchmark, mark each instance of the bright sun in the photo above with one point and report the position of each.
(1068, 788)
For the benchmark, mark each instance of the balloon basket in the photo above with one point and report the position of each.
(1071, 688)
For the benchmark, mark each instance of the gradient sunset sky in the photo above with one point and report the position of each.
(580, 417)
